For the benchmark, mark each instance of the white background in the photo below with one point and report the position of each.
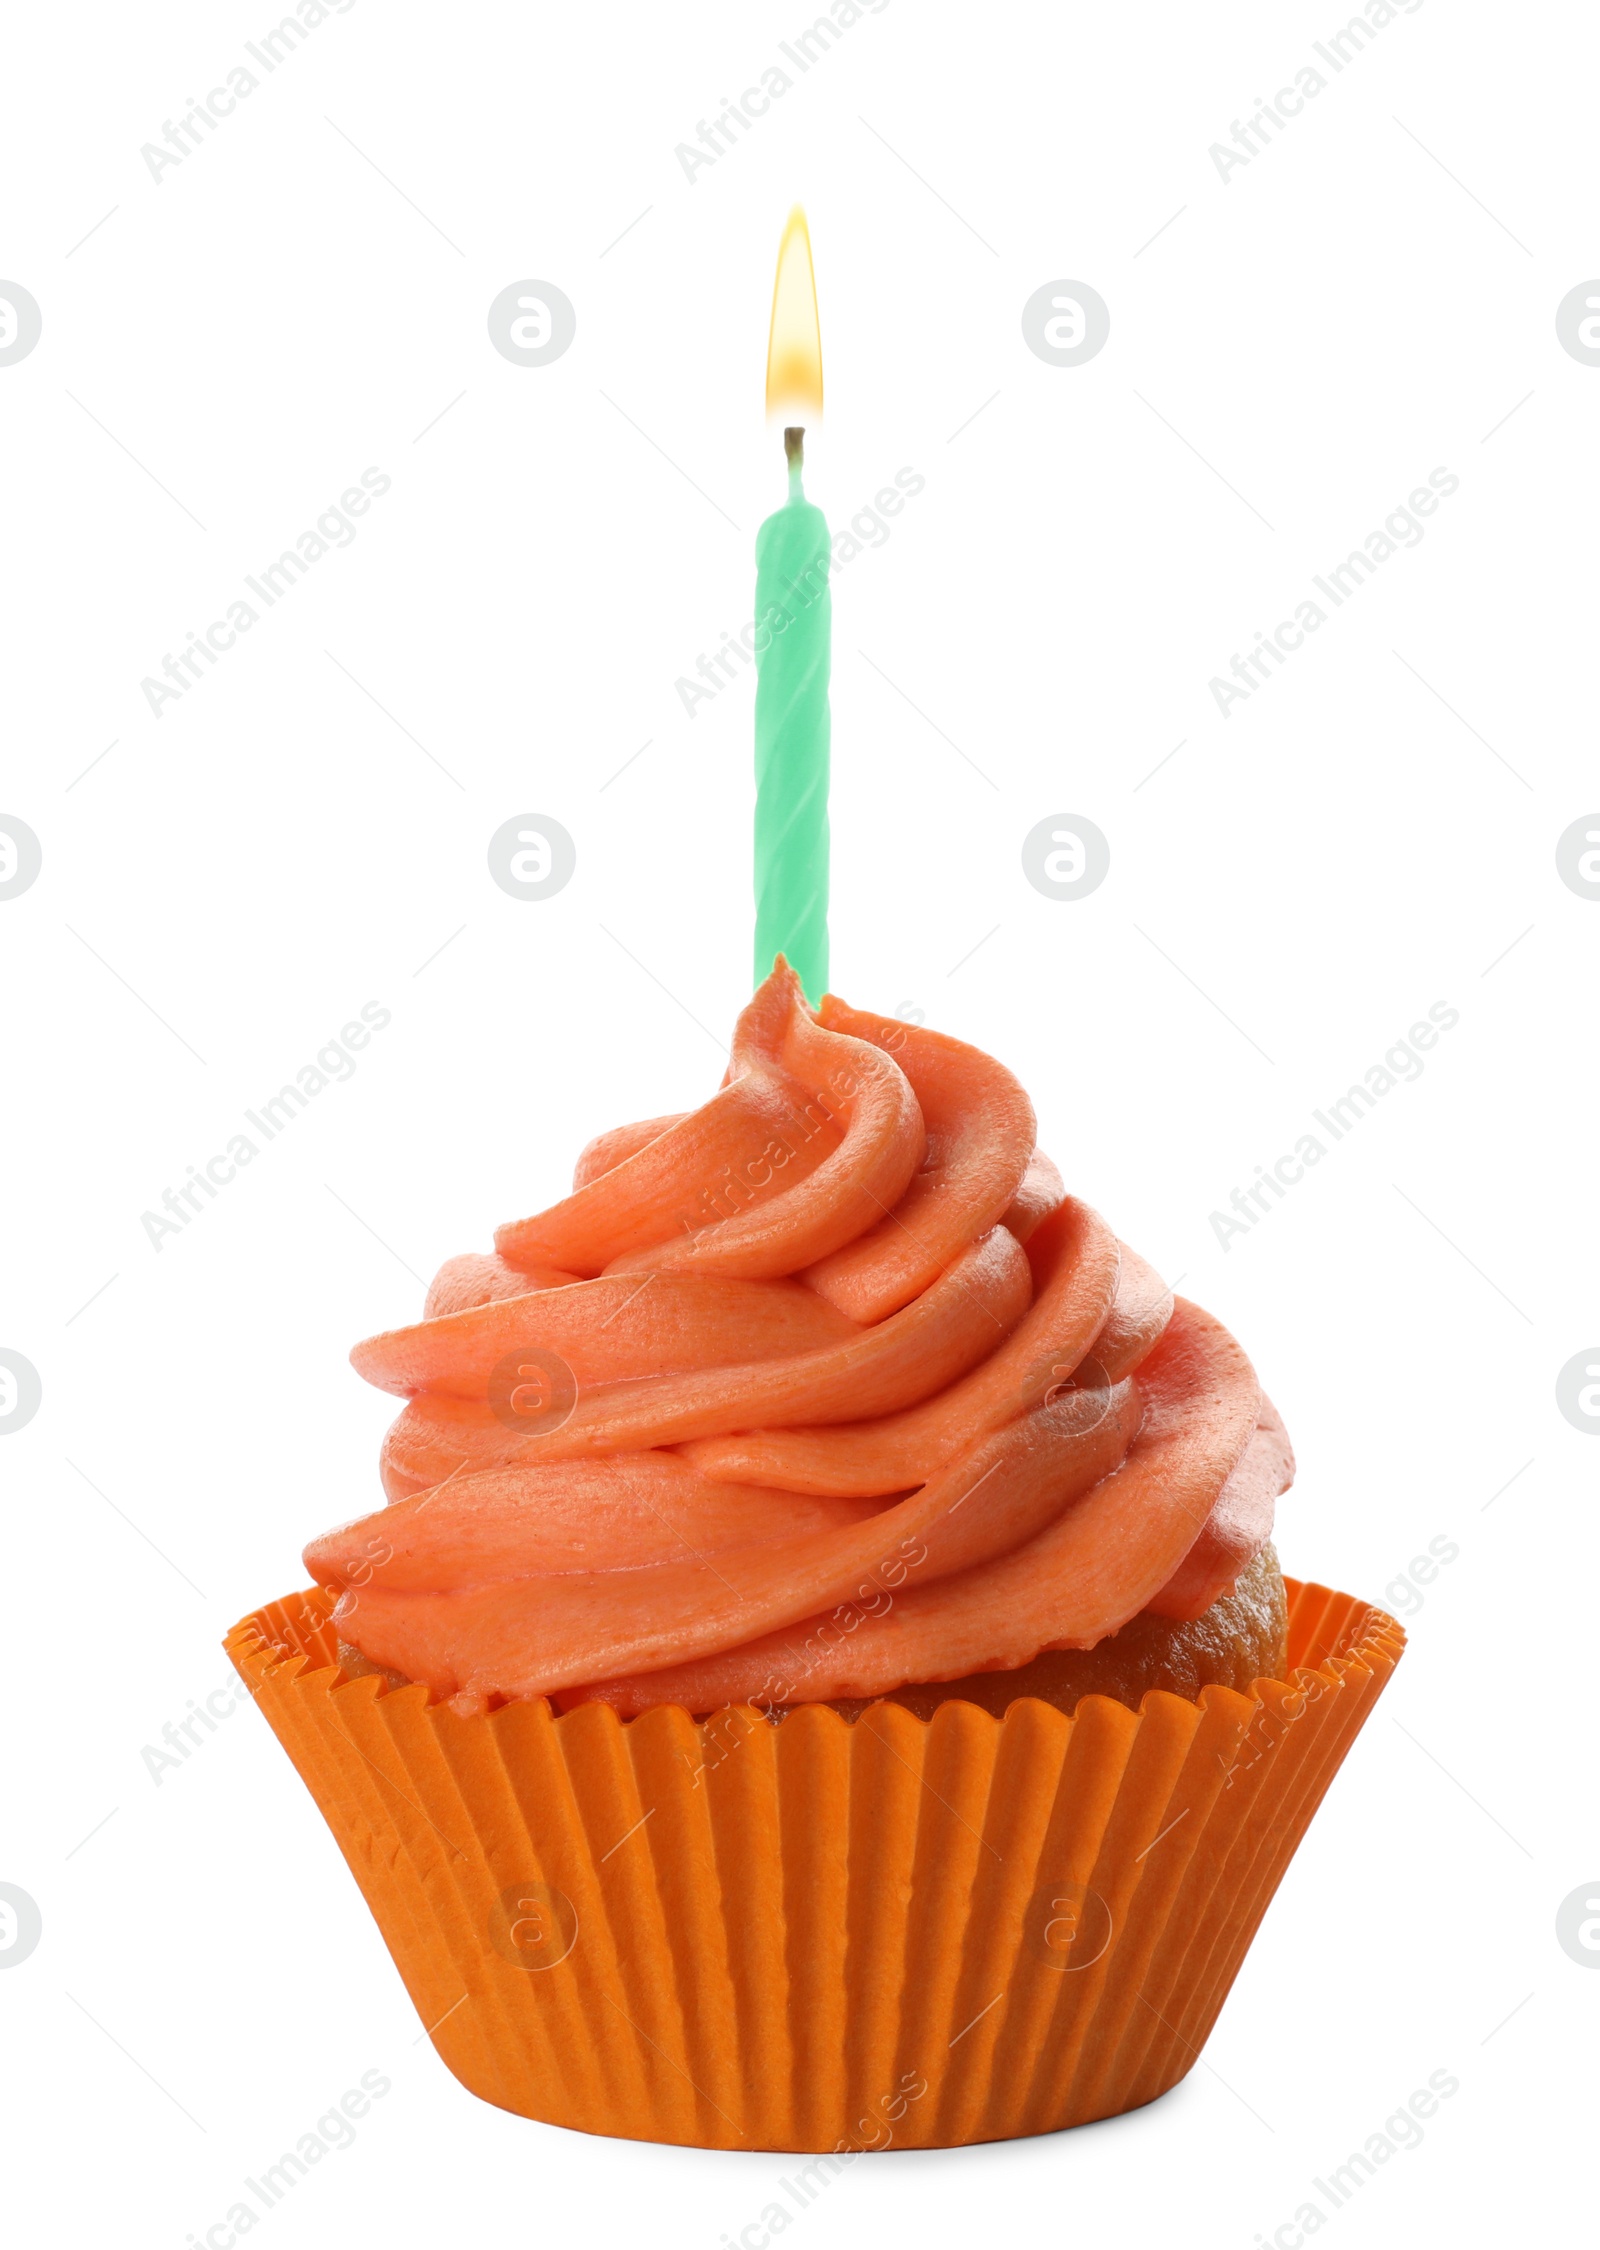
(1372, 832)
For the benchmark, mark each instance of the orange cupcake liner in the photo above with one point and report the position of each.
(823, 1935)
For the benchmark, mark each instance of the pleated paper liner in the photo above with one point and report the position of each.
(820, 1935)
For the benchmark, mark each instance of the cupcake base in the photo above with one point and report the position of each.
(827, 1936)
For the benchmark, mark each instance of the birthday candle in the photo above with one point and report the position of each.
(793, 645)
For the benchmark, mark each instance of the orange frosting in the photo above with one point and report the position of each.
(820, 1389)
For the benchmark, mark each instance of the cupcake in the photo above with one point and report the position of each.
(821, 1678)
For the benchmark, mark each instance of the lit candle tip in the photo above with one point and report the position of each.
(794, 344)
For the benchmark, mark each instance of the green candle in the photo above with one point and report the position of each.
(794, 628)
(793, 646)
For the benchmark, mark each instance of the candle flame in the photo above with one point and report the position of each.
(794, 345)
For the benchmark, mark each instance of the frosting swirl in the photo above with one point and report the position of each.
(822, 1388)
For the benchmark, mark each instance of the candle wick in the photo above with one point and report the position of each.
(794, 452)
